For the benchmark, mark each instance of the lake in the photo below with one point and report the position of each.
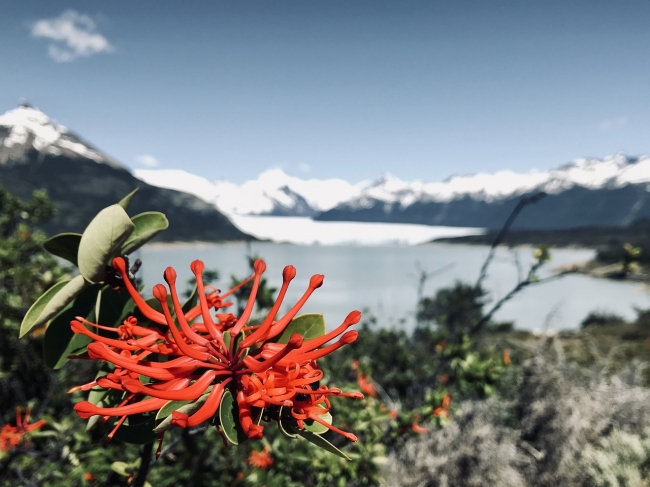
(384, 279)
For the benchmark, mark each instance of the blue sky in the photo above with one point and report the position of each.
(348, 89)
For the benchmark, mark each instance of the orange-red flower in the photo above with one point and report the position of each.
(261, 459)
(506, 357)
(11, 436)
(200, 355)
(443, 410)
(366, 386)
(419, 429)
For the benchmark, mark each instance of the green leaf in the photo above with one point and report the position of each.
(32, 318)
(102, 240)
(114, 307)
(94, 420)
(147, 226)
(138, 431)
(97, 395)
(309, 326)
(238, 340)
(60, 341)
(170, 407)
(186, 407)
(322, 443)
(126, 201)
(122, 468)
(285, 429)
(192, 300)
(64, 245)
(317, 428)
(64, 297)
(229, 417)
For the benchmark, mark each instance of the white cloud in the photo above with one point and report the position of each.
(74, 35)
(147, 160)
(612, 123)
(304, 168)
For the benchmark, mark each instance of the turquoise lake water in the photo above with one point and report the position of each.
(383, 279)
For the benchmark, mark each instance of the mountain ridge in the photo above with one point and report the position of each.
(607, 191)
(36, 152)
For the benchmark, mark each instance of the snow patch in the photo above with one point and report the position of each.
(273, 188)
(29, 127)
(305, 231)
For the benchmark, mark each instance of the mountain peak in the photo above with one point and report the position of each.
(27, 128)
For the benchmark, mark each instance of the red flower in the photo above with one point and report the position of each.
(443, 410)
(506, 357)
(11, 436)
(366, 386)
(419, 429)
(261, 459)
(199, 356)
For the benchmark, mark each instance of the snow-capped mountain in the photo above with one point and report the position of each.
(609, 191)
(36, 152)
(273, 193)
(480, 200)
(613, 171)
(26, 128)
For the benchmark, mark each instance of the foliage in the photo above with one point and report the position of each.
(600, 318)
(561, 425)
(441, 407)
(25, 273)
(458, 309)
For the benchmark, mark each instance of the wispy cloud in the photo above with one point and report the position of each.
(147, 160)
(612, 123)
(75, 35)
(304, 168)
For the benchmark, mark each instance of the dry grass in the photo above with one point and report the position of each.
(561, 424)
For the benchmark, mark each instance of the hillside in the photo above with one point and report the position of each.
(36, 152)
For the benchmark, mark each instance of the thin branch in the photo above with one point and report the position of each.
(145, 465)
(523, 202)
(520, 286)
(424, 276)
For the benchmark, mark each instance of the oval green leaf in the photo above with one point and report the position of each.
(322, 443)
(186, 407)
(309, 326)
(102, 240)
(126, 201)
(97, 395)
(137, 431)
(316, 427)
(60, 341)
(147, 226)
(122, 468)
(32, 318)
(93, 421)
(64, 245)
(114, 307)
(229, 417)
(64, 297)
(192, 300)
(285, 428)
